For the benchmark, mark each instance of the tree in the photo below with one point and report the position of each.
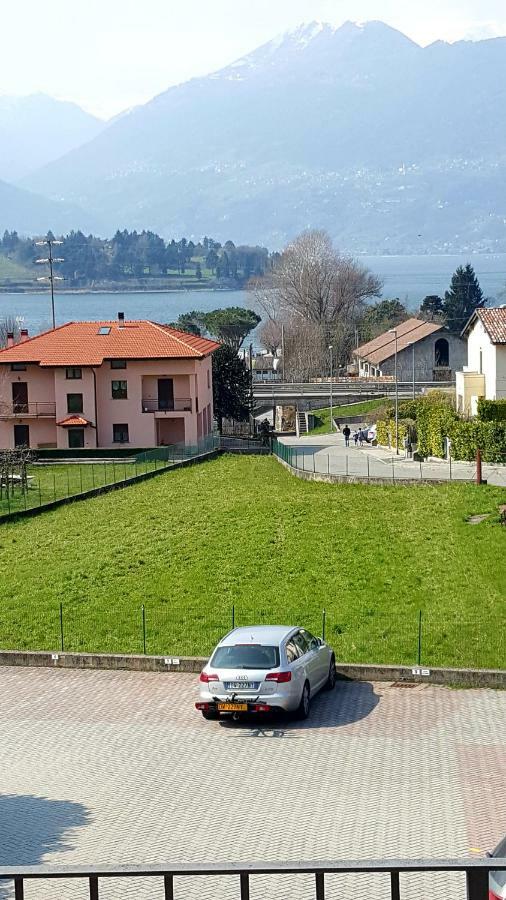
(230, 326)
(270, 336)
(190, 322)
(463, 297)
(9, 325)
(382, 316)
(231, 386)
(198, 272)
(431, 307)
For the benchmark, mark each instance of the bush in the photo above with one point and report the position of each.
(385, 433)
(491, 410)
(489, 437)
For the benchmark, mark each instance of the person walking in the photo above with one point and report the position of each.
(346, 432)
(361, 437)
(355, 437)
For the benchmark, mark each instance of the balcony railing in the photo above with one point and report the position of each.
(33, 410)
(476, 873)
(178, 404)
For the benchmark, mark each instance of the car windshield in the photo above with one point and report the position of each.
(246, 656)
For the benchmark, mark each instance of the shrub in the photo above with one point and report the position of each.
(491, 410)
(385, 433)
(489, 437)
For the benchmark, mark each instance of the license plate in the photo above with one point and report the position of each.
(238, 686)
(232, 707)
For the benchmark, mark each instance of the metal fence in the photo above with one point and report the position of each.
(357, 464)
(413, 637)
(307, 880)
(50, 482)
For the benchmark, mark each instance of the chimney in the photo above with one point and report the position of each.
(121, 319)
(23, 335)
(10, 339)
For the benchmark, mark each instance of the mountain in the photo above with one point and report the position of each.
(356, 129)
(31, 214)
(36, 130)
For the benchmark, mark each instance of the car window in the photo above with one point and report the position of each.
(292, 651)
(311, 639)
(302, 643)
(245, 656)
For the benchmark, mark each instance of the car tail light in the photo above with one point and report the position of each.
(206, 677)
(202, 706)
(492, 896)
(261, 707)
(280, 677)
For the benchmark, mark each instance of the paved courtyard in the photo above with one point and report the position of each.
(117, 768)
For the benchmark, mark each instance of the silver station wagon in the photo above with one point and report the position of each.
(265, 668)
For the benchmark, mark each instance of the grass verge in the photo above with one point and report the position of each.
(351, 409)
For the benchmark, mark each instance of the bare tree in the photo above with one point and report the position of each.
(9, 325)
(270, 336)
(14, 470)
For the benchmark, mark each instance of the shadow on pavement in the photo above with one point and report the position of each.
(349, 702)
(32, 826)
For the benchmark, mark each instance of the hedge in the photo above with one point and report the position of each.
(491, 410)
(385, 432)
(489, 437)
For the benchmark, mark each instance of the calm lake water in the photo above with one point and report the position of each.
(410, 278)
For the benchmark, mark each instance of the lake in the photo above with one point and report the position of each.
(410, 278)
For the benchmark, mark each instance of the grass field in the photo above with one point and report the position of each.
(242, 532)
(15, 271)
(351, 409)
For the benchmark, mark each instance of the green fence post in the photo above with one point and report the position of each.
(40, 494)
(323, 624)
(68, 481)
(93, 474)
(62, 643)
(54, 484)
(419, 637)
(233, 615)
(144, 629)
(105, 473)
(81, 478)
(113, 472)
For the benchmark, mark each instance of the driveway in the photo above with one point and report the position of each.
(327, 454)
(117, 767)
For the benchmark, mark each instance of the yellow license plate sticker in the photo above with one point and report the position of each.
(232, 707)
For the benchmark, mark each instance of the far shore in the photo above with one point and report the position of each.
(126, 290)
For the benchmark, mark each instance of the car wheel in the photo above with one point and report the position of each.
(210, 714)
(331, 680)
(303, 708)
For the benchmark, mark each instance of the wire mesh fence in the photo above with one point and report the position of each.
(356, 463)
(49, 482)
(413, 637)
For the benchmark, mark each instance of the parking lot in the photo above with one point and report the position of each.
(117, 768)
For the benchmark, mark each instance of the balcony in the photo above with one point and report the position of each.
(35, 410)
(178, 404)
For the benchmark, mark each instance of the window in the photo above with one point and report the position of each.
(481, 362)
(73, 373)
(292, 651)
(74, 403)
(105, 329)
(76, 437)
(119, 390)
(118, 363)
(311, 640)
(18, 367)
(246, 656)
(120, 434)
(301, 643)
(208, 378)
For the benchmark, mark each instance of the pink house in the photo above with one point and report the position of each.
(106, 384)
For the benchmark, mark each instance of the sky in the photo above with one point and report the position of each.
(109, 55)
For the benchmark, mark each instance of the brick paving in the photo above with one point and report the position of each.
(117, 767)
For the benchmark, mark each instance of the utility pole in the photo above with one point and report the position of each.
(50, 259)
(394, 332)
(283, 352)
(331, 388)
(412, 345)
(251, 401)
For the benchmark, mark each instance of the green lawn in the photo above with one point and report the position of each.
(242, 532)
(351, 409)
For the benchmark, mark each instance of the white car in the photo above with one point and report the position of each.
(265, 668)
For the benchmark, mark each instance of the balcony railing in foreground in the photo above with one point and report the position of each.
(476, 872)
(179, 404)
(33, 409)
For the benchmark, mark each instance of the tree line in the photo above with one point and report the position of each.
(88, 259)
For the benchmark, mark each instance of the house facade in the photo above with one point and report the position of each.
(434, 352)
(106, 384)
(485, 372)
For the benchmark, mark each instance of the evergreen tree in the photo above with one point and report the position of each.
(464, 296)
(231, 386)
(431, 306)
(198, 272)
(230, 325)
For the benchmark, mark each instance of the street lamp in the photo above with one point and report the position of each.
(412, 345)
(394, 332)
(50, 259)
(331, 394)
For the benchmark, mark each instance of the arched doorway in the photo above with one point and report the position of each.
(442, 353)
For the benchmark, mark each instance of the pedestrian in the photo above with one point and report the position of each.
(355, 437)
(346, 432)
(361, 437)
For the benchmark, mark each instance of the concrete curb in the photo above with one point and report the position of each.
(355, 479)
(472, 678)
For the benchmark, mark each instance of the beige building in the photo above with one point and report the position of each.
(485, 373)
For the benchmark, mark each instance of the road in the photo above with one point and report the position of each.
(327, 454)
(117, 767)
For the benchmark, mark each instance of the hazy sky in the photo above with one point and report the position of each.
(108, 55)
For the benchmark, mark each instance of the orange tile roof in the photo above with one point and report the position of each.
(383, 346)
(72, 421)
(494, 322)
(80, 344)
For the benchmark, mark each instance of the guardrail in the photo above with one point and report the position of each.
(33, 409)
(476, 873)
(346, 386)
(179, 404)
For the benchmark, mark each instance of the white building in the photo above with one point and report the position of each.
(485, 373)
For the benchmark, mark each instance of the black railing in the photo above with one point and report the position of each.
(33, 409)
(476, 872)
(178, 404)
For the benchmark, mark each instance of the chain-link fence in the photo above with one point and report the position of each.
(413, 637)
(46, 483)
